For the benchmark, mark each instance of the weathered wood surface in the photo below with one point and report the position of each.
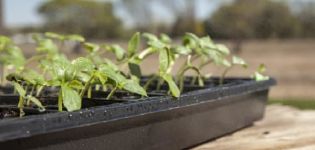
(282, 128)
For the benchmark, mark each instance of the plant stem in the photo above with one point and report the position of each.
(181, 68)
(89, 92)
(181, 78)
(39, 90)
(60, 101)
(184, 65)
(21, 106)
(147, 84)
(32, 90)
(193, 80)
(204, 64)
(160, 82)
(111, 93)
(97, 87)
(223, 75)
(86, 86)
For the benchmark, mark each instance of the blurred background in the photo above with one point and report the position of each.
(279, 33)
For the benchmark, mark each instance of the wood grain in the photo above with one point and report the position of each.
(282, 128)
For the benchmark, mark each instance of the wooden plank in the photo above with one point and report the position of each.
(282, 128)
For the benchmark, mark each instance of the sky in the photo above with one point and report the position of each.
(19, 13)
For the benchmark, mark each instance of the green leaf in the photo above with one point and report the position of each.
(91, 47)
(239, 61)
(163, 60)
(182, 50)
(165, 38)
(133, 44)
(55, 36)
(171, 84)
(206, 42)
(71, 98)
(62, 69)
(4, 41)
(156, 44)
(75, 37)
(134, 69)
(223, 49)
(83, 64)
(75, 84)
(19, 89)
(110, 64)
(84, 77)
(47, 46)
(260, 77)
(190, 40)
(111, 73)
(33, 77)
(53, 83)
(101, 77)
(134, 87)
(12, 55)
(118, 51)
(226, 63)
(150, 37)
(36, 102)
(261, 68)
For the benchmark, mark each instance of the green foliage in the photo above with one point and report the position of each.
(72, 100)
(77, 78)
(133, 44)
(258, 75)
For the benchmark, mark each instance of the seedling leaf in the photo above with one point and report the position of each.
(172, 85)
(36, 102)
(260, 77)
(239, 61)
(133, 44)
(134, 69)
(134, 87)
(71, 98)
(19, 89)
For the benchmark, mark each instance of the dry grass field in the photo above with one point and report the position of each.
(290, 62)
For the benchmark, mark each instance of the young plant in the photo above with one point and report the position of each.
(235, 61)
(30, 79)
(166, 60)
(11, 58)
(258, 75)
(75, 79)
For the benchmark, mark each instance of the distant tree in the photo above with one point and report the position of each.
(183, 11)
(275, 19)
(253, 19)
(90, 18)
(306, 17)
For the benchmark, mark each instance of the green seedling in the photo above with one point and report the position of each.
(258, 75)
(75, 79)
(235, 61)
